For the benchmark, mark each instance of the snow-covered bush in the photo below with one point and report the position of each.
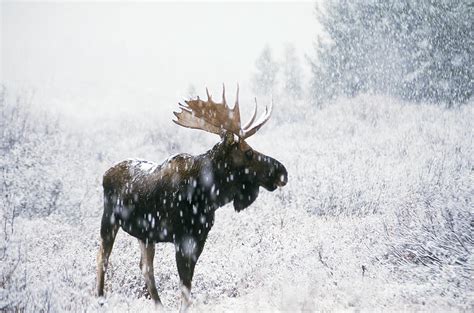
(29, 143)
(409, 165)
(377, 215)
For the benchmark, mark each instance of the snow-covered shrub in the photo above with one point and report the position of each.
(376, 215)
(28, 187)
(28, 145)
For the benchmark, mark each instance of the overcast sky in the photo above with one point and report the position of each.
(80, 52)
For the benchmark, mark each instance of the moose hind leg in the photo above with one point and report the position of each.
(108, 231)
(146, 265)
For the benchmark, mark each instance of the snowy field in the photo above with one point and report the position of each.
(377, 214)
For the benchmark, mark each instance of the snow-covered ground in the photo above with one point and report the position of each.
(377, 215)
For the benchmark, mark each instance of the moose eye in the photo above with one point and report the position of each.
(249, 154)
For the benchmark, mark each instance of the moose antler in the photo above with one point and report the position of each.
(217, 118)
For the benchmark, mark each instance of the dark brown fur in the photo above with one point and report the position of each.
(175, 202)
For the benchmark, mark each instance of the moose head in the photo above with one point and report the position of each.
(175, 201)
(240, 169)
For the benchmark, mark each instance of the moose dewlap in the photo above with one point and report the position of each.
(175, 201)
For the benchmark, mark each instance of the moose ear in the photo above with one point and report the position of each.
(228, 138)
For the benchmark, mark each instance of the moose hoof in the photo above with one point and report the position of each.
(102, 301)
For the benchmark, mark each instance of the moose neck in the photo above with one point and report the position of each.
(214, 179)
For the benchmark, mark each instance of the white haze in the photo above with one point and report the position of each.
(88, 57)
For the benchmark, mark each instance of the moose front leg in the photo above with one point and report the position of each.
(188, 250)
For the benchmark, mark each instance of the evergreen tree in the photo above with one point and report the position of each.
(414, 50)
(292, 73)
(264, 79)
(191, 92)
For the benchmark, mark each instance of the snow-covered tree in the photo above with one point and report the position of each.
(292, 73)
(191, 92)
(264, 79)
(414, 50)
(439, 38)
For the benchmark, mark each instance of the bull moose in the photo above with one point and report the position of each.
(175, 201)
